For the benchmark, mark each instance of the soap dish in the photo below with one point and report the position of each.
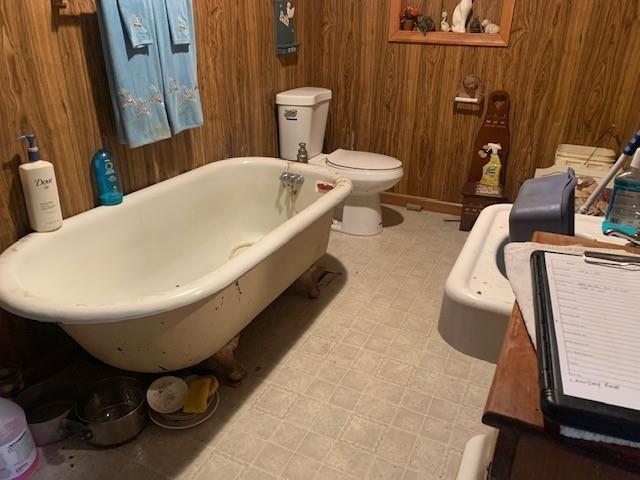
(180, 420)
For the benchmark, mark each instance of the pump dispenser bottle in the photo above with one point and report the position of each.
(624, 209)
(40, 190)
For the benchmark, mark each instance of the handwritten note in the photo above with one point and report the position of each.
(596, 312)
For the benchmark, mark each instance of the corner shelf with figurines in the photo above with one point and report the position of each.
(478, 23)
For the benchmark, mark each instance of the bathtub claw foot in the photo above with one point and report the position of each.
(310, 281)
(315, 278)
(227, 364)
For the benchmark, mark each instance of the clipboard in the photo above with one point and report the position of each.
(557, 407)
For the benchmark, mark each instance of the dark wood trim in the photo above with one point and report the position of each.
(429, 204)
(503, 456)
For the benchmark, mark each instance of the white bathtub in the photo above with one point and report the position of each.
(148, 285)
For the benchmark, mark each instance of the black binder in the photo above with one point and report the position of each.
(557, 407)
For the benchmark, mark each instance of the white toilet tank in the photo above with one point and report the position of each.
(302, 117)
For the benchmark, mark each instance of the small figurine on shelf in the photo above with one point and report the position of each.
(425, 24)
(460, 15)
(408, 17)
(475, 26)
(444, 26)
(489, 27)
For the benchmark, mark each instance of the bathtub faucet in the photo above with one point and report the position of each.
(292, 181)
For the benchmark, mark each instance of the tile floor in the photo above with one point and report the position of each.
(357, 384)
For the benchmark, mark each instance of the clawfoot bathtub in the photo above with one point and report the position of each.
(166, 279)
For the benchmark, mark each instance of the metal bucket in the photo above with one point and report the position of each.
(47, 405)
(113, 411)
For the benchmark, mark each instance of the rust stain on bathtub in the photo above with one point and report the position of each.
(221, 303)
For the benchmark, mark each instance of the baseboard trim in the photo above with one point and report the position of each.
(429, 204)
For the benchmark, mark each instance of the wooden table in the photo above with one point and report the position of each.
(527, 448)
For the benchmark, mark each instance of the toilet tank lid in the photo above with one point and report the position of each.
(304, 96)
(362, 160)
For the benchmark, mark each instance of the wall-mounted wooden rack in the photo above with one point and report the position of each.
(451, 38)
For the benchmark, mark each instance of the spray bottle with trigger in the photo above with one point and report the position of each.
(491, 171)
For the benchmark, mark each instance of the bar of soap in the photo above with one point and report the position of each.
(197, 396)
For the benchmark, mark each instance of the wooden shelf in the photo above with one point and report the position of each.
(451, 38)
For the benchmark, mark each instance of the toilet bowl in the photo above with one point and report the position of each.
(302, 118)
(370, 174)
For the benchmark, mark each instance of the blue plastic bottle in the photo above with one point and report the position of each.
(624, 210)
(109, 186)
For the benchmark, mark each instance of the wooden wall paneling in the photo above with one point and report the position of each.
(56, 86)
(572, 69)
(53, 83)
(532, 78)
(610, 65)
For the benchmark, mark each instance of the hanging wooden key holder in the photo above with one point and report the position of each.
(494, 130)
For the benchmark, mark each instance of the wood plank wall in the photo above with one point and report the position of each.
(572, 69)
(53, 83)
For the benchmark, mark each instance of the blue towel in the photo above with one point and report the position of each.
(177, 48)
(180, 21)
(133, 68)
(136, 26)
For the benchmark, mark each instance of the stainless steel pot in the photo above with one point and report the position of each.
(113, 411)
(47, 405)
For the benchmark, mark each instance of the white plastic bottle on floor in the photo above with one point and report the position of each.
(18, 453)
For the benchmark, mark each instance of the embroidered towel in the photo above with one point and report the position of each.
(180, 21)
(177, 48)
(133, 68)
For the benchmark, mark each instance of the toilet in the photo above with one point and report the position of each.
(302, 117)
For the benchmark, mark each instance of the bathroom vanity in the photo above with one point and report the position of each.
(526, 448)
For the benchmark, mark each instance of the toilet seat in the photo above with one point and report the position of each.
(363, 161)
(370, 173)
